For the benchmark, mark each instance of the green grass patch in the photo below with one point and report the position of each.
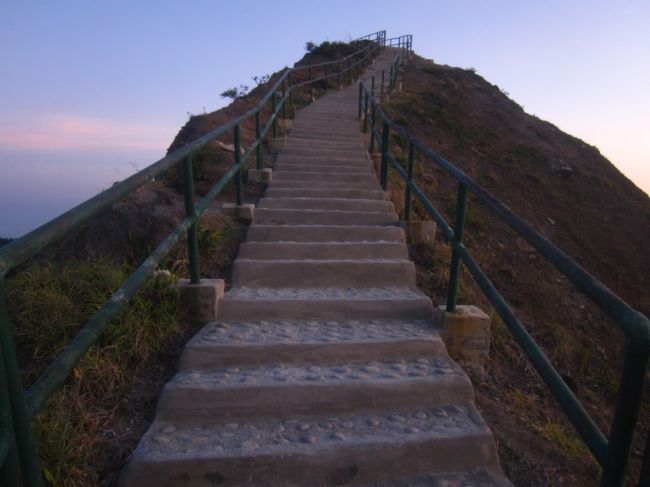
(48, 304)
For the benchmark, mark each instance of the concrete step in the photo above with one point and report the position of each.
(327, 204)
(323, 143)
(365, 194)
(324, 152)
(323, 273)
(276, 390)
(317, 159)
(336, 449)
(390, 303)
(246, 343)
(278, 216)
(305, 135)
(366, 183)
(323, 233)
(322, 250)
(365, 169)
(322, 176)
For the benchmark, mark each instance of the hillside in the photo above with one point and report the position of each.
(569, 192)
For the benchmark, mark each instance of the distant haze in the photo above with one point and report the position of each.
(91, 91)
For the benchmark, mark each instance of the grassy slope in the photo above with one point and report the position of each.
(574, 196)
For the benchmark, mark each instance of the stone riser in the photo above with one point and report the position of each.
(204, 403)
(327, 204)
(204, 357)
(267, 216)
(361, 169)
(305, 309)
(322, 273)
(303, 184)
(323, 233)
(308, 177)
(322, 251)
(323, 193)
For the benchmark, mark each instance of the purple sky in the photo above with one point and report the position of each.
(91, 91)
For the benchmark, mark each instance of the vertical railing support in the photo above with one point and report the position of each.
(390, 79)
(26, 446)
(238, 181)
(290, 89)
(372, 129)
(372, 86)
(258, 137)
(459, 228)
(10, 468)
(409, 180)
(365, 113)
(360, 99)
(273, 114)
(349, 72)
(284, 104)
(190, 211)
(384, 155)
(628, 402)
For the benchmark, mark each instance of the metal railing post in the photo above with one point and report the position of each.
(238, 181)
(25, 444)
(365, 114)
(289, 81)
(258, 137)
(384, 156)
(9, 467)
(273, 114)
(459, 227)
(190, 210)
(284, 104)
(628, 402)
(409, 170)
(360, 99)
(372, 86)
(372, 129)
(390, 79)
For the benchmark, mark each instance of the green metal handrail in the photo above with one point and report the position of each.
(611, 453)
(19, 463)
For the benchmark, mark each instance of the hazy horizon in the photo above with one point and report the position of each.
(92, 93)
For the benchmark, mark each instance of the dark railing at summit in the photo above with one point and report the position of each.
(611, 453)
(19, 462)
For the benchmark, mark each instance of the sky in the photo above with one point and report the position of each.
(90, 92)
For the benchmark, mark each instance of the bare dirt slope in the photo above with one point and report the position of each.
(567, 190)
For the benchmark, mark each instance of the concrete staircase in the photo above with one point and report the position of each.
(324, 367)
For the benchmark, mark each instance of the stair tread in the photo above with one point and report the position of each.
(308, 434)
(386, 371)
(310, 331)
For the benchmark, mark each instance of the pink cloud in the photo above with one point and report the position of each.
(69, 132)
